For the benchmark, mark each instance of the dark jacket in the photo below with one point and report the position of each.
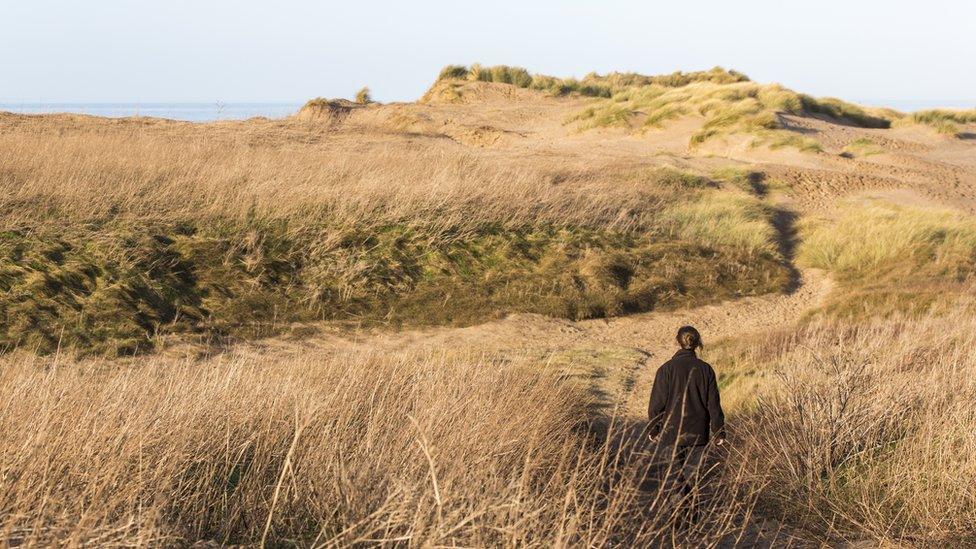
(684, 404)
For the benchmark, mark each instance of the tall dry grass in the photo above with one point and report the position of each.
(102, 170)
(406, 450)
(859, 432)
(867, 429)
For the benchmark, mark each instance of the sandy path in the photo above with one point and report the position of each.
(615, 357)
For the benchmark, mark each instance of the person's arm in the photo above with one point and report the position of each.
(715, 414)
(658, 403)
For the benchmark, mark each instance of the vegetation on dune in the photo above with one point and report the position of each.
(728, 100)
(944, 121)
(934, 115)
(727, 107)
(843, 111)
(862, 147)
(854, 425)
(363, 97)
(725, 219)
(592, 85)
(888, 257)
(466, 450)
(218, 239)
(112, 289)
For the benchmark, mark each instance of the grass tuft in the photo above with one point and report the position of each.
(363, 97)
(888, 257)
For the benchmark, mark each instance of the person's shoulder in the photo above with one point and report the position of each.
(706, 366)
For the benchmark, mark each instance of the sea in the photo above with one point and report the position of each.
(206, 112)
(193, 112)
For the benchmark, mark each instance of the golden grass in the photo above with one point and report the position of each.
(728, 107)
(183, 172)
(865, 429)
(462, 449)
(737, 220)
(869, 235)
(363, 96)
(415, 450)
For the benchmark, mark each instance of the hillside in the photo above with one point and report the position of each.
(437, 322)
(485, 198)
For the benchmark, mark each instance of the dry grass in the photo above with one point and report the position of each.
(354, 450)
(867, 236)
(890, 257)
(114, 233)
(363, 96)
(866, 430)
(457, 449)
(184, 172)
(591, 85)
(943, 121)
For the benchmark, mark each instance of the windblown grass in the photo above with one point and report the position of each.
(856, 437)
(352, 450)
(592, 85)
(943, 121)
(113, 238)
(934, 115)
(363, 96)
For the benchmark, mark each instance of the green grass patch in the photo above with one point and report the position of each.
(862, 147)
(889, 258)
(112, 289)
(724, 219)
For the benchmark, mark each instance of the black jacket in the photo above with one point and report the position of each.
(684, 404)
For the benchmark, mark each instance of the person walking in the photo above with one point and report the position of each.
(684, 413)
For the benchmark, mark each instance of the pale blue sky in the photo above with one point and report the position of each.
(292, 50)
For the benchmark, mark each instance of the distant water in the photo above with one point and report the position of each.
(194, 112)
(203, 112)
(917, 105)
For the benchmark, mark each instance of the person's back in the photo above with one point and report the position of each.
(684, 408)
(684, 411)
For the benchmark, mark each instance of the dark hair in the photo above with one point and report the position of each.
(689, 338)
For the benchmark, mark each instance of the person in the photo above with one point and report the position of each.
(684, 413)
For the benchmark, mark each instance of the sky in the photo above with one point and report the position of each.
(293, 50)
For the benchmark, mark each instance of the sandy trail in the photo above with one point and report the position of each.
(616, 358)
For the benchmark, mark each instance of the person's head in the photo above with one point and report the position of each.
(688, 338)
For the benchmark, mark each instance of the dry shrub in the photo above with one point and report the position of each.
(869, 430)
